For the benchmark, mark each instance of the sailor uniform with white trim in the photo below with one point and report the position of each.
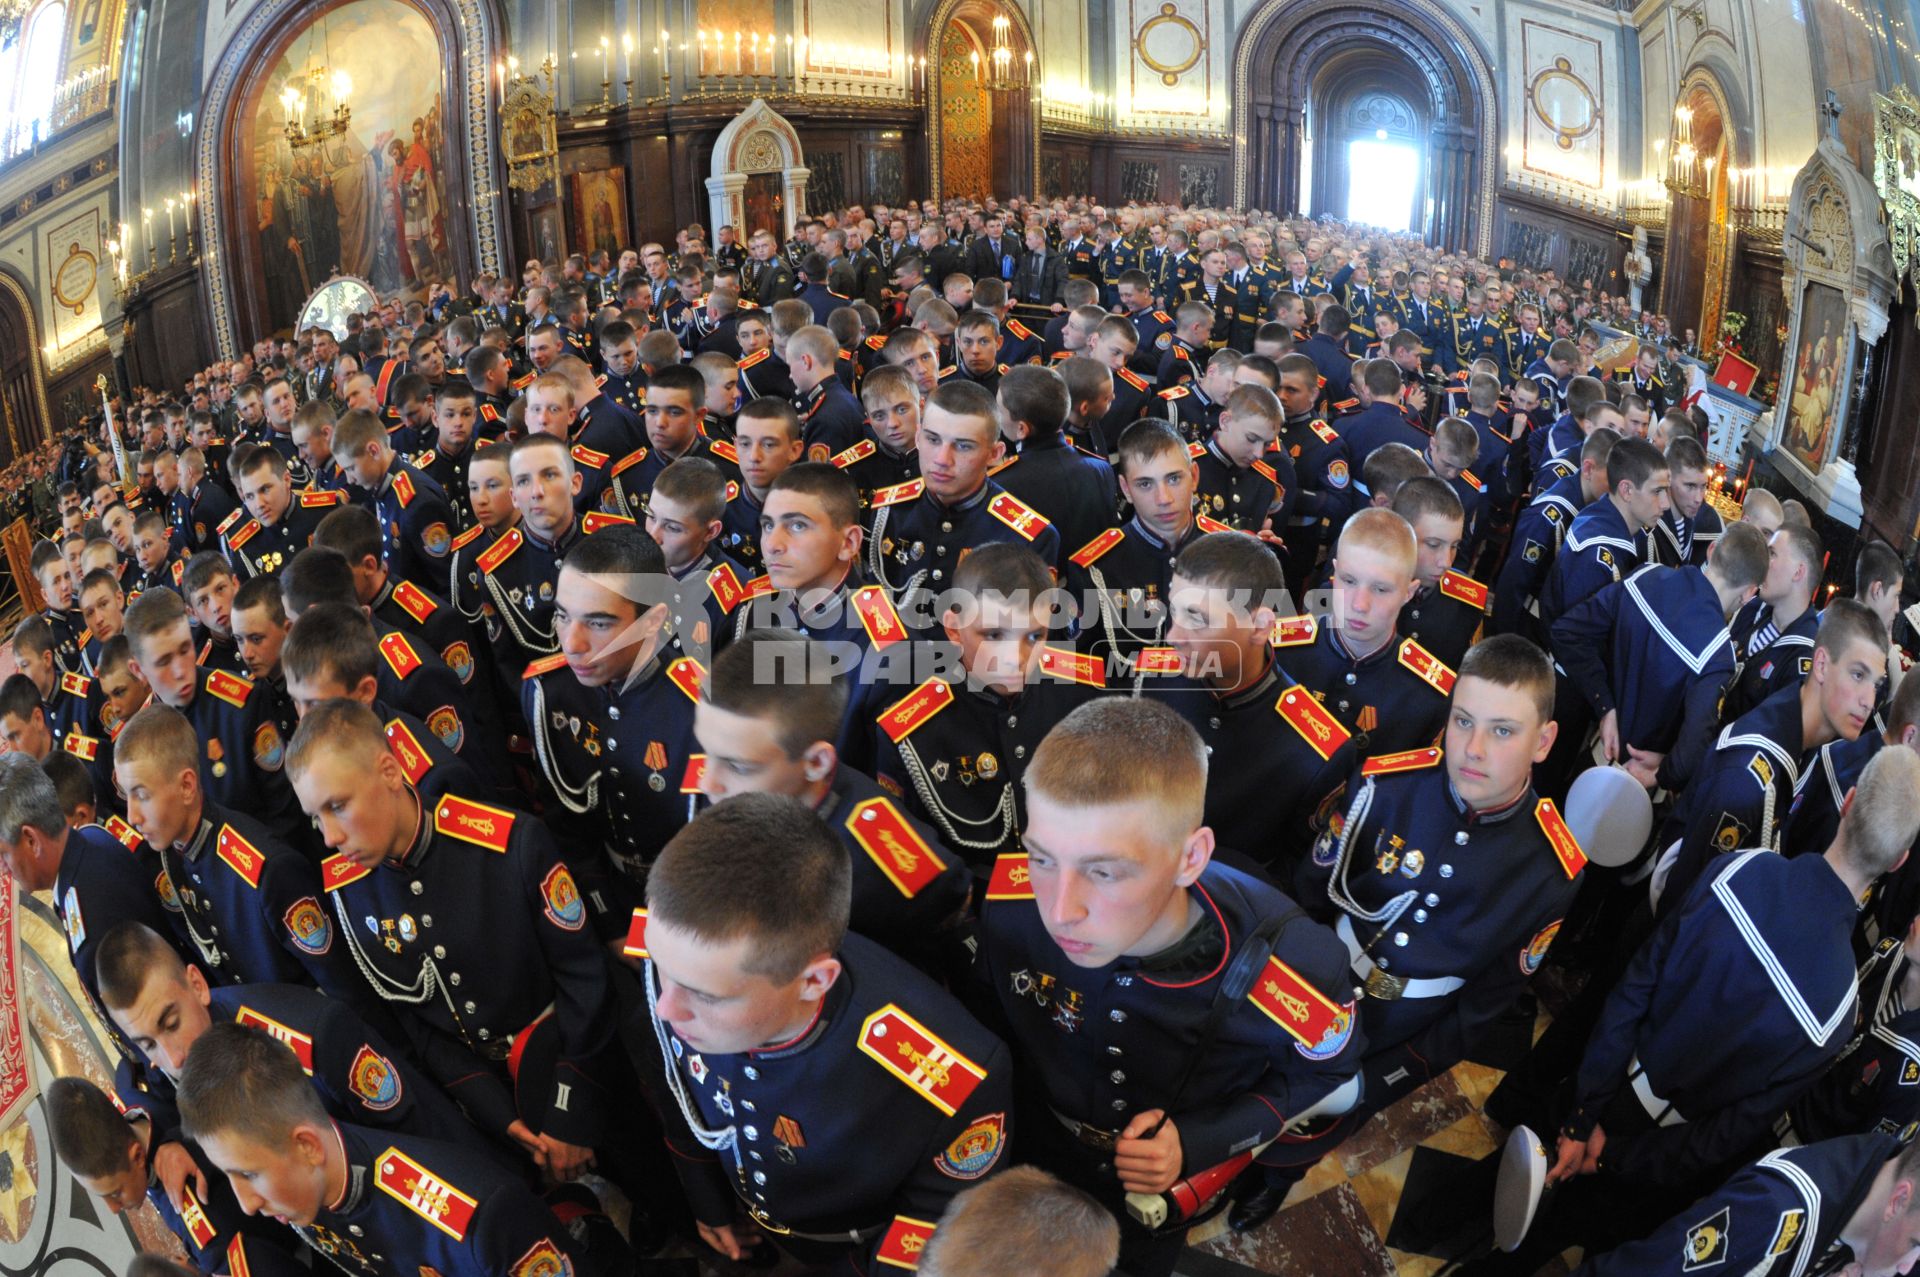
(846, 1142)
(1770, 656)
(1395, 697)
(1874, 1085)
(1599, 551)
(1675, 539)
(1537, 535)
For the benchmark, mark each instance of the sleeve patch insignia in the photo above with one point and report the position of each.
(308, 927)
(1731, 835)
(445, 724)
(974, 1151)
(1337, 474)
(436, 540)
(543, 1260)
(240, 855)
(916, 707)
(1566, 848)
(1910, 1073)
(884, 833)
(425, 1194)
(374, 1080)
(1536, 951)
(909, 1050)
(1706, 1243)
(904, 1241)
(1012, 879)
(1321, 1027)
(561, 898)
(1762, 770)
(459, 659)
(269, 749)
(636, 943)
(1787, 1232)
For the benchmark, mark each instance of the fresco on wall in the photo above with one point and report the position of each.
(966, 120)
(1819, 375)
(371, 201)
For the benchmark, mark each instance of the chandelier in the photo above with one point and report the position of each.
(1000, 63)
(316, 103)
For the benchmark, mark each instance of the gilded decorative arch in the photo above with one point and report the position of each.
(930, 49)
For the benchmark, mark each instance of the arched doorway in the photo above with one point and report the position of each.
(1307, 74)
(1695, 158)
(23, 387)
(1367, 140)
(983, 141)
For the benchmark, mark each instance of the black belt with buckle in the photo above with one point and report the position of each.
(1100, 1141)
(1382, 987)
(846, 1237)
(495, 1049)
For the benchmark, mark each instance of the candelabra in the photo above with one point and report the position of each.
(297, 101)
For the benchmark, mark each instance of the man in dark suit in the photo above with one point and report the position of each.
(766, 279)
(994, 253)
(1041, 274)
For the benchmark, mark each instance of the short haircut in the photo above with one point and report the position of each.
(1036, 396)
(1457, 440)
(334, 642)
(161, 734)
(1119, 329)
(1634, 461)
(130, 954)
(1004, 571)
(45, 554)
(782, 676)
(1598, 448)
(1022, 1221)
(1427, 496)
(1146, 441)
(1084, 378)
(243, 1081)
(1235, 562)
(1584, 394)
(659, 349)
(20, 697)
(1508, 660)
(697, 484)
(885, 384)
(1389, 466)
(114, 654)
(1267, 370)
(827, 484)
(314, 576)
(967, 399)
(681, 378)
(1879, 825)
(71, 781)
(340, 726)
(1114, 751)
(353, 531)
(1877, 564)
(97, 579)
(1845, 623)
(261, 592)
(1804, 543)
(1685, 453)
(759, 867)
(27, 798)
(154, 613)
(774, 408)
(1739, 556)
(89, 1135)
(1256, 401)
(248, 462)
(202, 570)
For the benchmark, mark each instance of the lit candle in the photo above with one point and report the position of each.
(975, 56)
(169, 219)
(605, 48)
(790, 66)
(626, 58)
(700, 38)
(737, 42)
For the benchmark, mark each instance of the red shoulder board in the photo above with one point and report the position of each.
(636, 945)
(126, 834)
(233, 516)
(876, 341)
(230, 688)
(424, 1193)
(1089, 553)
(477, 823)
(488, 412)
(76, 684)
(408, 751)
(1018, 515)
(1266, 472)
(755, 358)
(859, 452)
(1565, 846)
(403, 488)
(337, 871)
(1158, 660)
(199, 1227)
(1004, 463)
(414, 600)
(315, 499)
(1463, 588)
(237, 1265)
(593, 520)
(1061, 355)
(468, 537)
(877, 617)
(1206, 524)
(520, 383)
(1172, 393)
(899, 492)
(84, 748)
(1131, 377)
(1019, 329)
(911, 1052)
(179, 570)
(1306, 715)
(759, 587)
(725, 450)
(629, 461)
(1326, 432)
(588, 457)
(724, 584)
(1299, 1008)
(1162, 317)
(1011, 879)
(1295, 631)
(905, 1240)
(1432, 670)
(1409, 761)
(885, 834)
(500, 551)
(1473, 480)
(1196, 450)
(1080, 667)
(696, 774)
(1180, 352)
(299, 1043)
(545, 665)
(688, 676)
(244, 535)
(916, 707)
(241, 856)
(399, 654)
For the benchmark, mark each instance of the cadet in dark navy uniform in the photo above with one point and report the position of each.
(830, 417)
(1795, 1210)
(1322, 466)
(1538, 532)
(1193, 324)
(416, 520)
(1874, 1084)
(208, 505)
(282, 521)
(676, 407)
(612, 717)
(71, 699)
(371, 1201)
(954, 748)
(1074, 490)
(1244, 480)
(249, 904)
(1651, 657)
(58, 588)
(1743, 792)
(1389, 690)
(243, 753)
(767, 439)
(1151, 1071)
(1690, 525)
(1276, 753)
(1773, 636)
(455, 418)
(886, 455)
(1194, 406)
(1603, 543)
(920, 529)
(813, 1079)
(976, 351)
(1153, 326)
(1448, 608)
(472, 907)
(1666, 1100)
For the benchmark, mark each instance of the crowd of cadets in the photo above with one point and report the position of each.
(903, 744)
